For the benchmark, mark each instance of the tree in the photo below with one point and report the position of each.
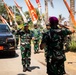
(72, 6)
(3, 11)
(46, 11)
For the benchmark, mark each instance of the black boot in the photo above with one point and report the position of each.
(24, 68)
(28, 68)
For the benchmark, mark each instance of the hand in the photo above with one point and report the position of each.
(33, 38)
(42, 45)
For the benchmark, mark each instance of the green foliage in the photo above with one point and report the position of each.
(3, 10)
(72, 46)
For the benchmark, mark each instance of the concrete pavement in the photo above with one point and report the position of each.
(13, 66)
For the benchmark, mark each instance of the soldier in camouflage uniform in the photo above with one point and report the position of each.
(53, 40)
(17, 38)
(36, 37)
(25, 46)
(67, 39)
(47, 28)
(44, 31)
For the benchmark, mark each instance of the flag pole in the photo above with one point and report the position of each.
(70, 12)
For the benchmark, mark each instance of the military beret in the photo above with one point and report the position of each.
(53, 19)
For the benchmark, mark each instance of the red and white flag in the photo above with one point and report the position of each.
(10, 19)
(32, 11)
(8, 10)
(40, 11)
(38, 2)
(39, 6)
(19, 8)
(3, 20)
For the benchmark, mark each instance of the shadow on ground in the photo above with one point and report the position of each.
(4, 55)
(34, 67)
(71, 62)
(21, 74)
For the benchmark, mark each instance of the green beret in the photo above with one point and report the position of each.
(25, 24)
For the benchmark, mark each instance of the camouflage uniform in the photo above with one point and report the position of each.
(25, 46)
(44, 32)
(17, 36)
(36, 35)
(47, 28)
(17, 40)
(54, 45)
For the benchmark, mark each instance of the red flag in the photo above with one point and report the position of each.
(32, 11)
(38, 2)
(39, 6)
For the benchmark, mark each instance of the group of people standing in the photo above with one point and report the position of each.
(51, 41)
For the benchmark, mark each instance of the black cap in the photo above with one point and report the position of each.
(48, 24)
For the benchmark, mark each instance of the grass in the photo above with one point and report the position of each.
(72, 46)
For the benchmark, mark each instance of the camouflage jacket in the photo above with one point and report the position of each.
(36, 34)
(25, 37)
(54, 39)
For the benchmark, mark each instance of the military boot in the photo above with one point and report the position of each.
(24, 68)
(28, 68)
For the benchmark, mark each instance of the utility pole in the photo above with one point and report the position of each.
(72, 6)
(46, 11)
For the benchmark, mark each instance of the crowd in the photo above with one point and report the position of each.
(52, 41)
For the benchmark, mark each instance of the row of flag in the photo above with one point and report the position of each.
(32, 11)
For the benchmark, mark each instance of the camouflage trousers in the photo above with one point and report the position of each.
(36, 45)
(55, 67)
(17, 42)
(26, 54)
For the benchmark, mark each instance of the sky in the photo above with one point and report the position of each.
(59, 7)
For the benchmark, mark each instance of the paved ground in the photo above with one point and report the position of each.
(70, 63)
(12, 66)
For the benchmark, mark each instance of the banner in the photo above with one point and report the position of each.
(39, 6)
(38, 2)
(32, 11)
(3, 20)
(18, 7)
(10, 12)
(70, 11)
(10, 19)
